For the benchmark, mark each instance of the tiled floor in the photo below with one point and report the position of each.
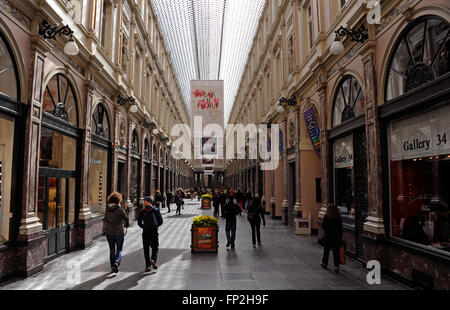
(285, 261)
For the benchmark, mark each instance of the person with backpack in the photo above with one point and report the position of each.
(169, 196)
(113, 223)
(179, 200)
(149, 220)
(254, 216)
(332, 226)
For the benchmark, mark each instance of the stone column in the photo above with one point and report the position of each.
(31, 255)
(128, 165)
(85, 216)
(374, 227)
(141, 182)
(285, 203)
(324, 149)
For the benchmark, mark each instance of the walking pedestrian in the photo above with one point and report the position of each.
(231, 210)
(332, 226)
(114, 222)
(223, 202)
(158, 199)
(149, 220)
(240, 198)
(216, 202)
(179, 201)
(169, 196)
(192, 193)
(248, 199)
(254, 216)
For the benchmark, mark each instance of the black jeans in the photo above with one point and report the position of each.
(168, 205)
(256, 231)
(150, 239)
(326, 254)
(230, 231)
(178, 209)
(216, 210)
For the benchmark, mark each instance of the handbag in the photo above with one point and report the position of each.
(342, 253)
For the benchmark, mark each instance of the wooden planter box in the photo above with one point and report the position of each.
(206, 203)
(204, 239)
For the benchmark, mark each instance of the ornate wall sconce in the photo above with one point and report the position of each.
(126, 102)
(50, 32)
(283, 102)
(358, 35)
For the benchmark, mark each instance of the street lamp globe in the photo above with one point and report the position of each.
(337, 48)
(71, 48)
(133, 108)
(280, 109)
(155, 131)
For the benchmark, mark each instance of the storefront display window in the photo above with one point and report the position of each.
(101, 122)
(57, 150)
(422, 54)
(419, 154)
(6, 157)
(98, 176)
(344, 179)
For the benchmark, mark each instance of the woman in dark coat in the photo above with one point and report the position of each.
(179, 200)
(254, 216)
(158, 199)
(332, 226)
(216, 203)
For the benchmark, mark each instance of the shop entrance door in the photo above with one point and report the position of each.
(56, 208)
(360, 162)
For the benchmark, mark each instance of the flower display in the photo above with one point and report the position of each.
(205, 221)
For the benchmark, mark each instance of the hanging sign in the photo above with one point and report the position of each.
(343, 152)
(313, 129)
(425, 135)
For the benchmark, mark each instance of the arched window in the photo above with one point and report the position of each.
(161, 156)
(59, 99)
(421, 54)
(146, 148)
(101, 122)
(9, 74)
(349, 100)
(154, 152)
(135, 142)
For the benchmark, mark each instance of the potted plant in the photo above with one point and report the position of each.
(204, 234)
(206, 201)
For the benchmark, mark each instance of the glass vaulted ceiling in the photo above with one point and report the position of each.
(209, 40)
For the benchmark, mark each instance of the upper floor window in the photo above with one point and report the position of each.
(106, 29)
(9, 75)
(310, 27)
(146, 148)
(349, 101)
(101, 121)
(421, 54)
(59, 99)
(135, 142)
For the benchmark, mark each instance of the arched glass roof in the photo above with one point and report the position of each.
(209, 40)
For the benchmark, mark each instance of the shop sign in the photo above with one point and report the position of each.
(205, 237)
(95, 161)
(313, 129)
(421, 136)
(343, 152)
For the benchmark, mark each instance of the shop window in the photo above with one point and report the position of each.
(98, 180)
(344, 179)
(154, 154)
(59, 99)
(419, 154)
(9, 77)
(421, 54)
(349, 101)
(101, 122)
(6, 158)
(57, 150)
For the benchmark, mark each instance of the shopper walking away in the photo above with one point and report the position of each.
(248, 200)
(255, 215)
(149, 220)
(158, 199)
(240, 198)
(179, 201)
(332, 225)
(169, 197)
(216, 203)
(113, 223)
(231, 210)
(223, 202)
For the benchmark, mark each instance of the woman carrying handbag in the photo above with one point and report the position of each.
(332, 226)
